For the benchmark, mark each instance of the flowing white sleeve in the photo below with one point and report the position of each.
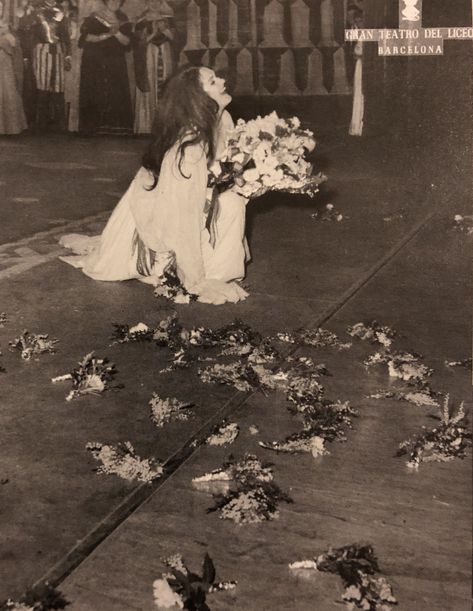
(175, 220)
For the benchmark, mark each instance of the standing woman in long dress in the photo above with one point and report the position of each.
(153, 60)
(161, 221)
(12, 116)
(71, 85)
(26, 31)
(104, 99)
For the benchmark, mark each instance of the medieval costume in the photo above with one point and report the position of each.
(12, 116)
(104, 99)
(72, 77)
(153, 59)
(26, 31)
(50, 57)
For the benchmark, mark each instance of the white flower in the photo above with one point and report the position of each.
(383, 339)
(273, 178)
(215, 168)
(353, 593)
(164, 595)
(14, 606)
(219, 475)
(62, 378)
(408, 370)
(251, 175)
(94, 383)
(124, 462)
(317, 446)
(421, 399)
(239, 157)
(262, 151)
(226, 434)
(181, 298)
(458, 218)
(139, 328)
(303, 564)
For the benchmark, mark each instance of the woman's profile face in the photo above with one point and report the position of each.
(214, 87)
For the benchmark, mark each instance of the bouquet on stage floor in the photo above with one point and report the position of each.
(267, 154)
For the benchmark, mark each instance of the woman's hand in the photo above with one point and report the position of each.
(218, 292)
(122, 39)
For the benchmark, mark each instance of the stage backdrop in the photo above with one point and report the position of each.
(266, 47)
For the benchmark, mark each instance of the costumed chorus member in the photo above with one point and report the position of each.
(12, 116)
(153, 59)
(104, 98)
(51, 57)
(161, 221)
(26, 27)
(71, 87)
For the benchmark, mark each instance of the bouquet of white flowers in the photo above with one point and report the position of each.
(266, 154)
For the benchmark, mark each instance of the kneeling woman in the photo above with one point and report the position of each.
(163, 221)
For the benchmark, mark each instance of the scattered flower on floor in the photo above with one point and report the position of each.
(465, 363)
(124, 334)
(93, 376)
(241, 376)
(123, 461)
(186, 589)
(33, 344)
(449, 440)
(247, 470)
(304, 390)
(223, 434)
(172, 288)
(357, 566)
(373, 332)
(422, 397)
(323, 421)
(405, 366)
(252, 505)
(303, 564)
(181, 359)
(41, 598)
(463, 223)
(254, 497)
(169, 332)
(328, 214)
(318, 338)
(165, 597)
(305, 441)
(167, 410)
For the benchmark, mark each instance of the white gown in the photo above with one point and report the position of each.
(169, 220)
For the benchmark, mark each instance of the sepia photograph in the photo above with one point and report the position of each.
(235, 305)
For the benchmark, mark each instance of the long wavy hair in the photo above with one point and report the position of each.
(186, 115)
